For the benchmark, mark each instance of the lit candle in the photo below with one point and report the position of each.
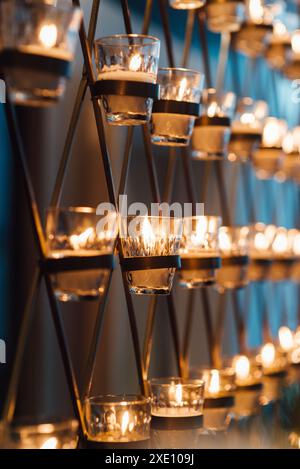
(286, 338)
(58, 435)
(248, 373)
(272, 361)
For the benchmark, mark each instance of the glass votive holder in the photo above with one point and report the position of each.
(218, 397)
(268, 158)
(212, 129)
(199, 251)
(224, 16)
(260, 251)
(115, 421)
(37, 48)
(80, 247)
(150, 248)
(246, 128)
(177, 403)
(233, 243)
(186, 4)
(283, 257)
(126, 82)
(173, 115)
(248, 372)
(278, 45)
(52, 435)
(272, 360)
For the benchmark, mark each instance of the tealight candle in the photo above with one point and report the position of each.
(77, 232)
(199, 251)
(212, 129)
(150, 248)
(291, 162)
(260, 251)
(186, 4)
(37, 47)
(177, 399)
(267, 159)
(233, 242)
(224, 16)
(127, 58)
(115, 420)
(57, 435)
(248, 372)
(173, 115)
(273, 362)
(246, 129)
(283, 258)
(291, 67)
(278, 45)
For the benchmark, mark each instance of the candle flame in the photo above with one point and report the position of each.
(125, 422)
(80, 241)
(288, 143)
(247, 118)
(51, 443)
(147, 233)
(256, 11)
(214, 383)
(273, 132)
(48, 35)
(279, 29)
(198, 238)
(242, 367)
(260, 241)
(280, 244)
(212, 109)
(224, 241)
(296, 42)
(286, 338)
(182, 89)
(268, 355)
(178, 394)
(135, 62)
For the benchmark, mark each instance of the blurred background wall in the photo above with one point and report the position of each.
(43, 389)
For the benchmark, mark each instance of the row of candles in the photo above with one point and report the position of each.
(228, 256)
(204, 400)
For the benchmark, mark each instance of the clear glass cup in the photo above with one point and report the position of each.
(268, 158)
(224, 16)
(186, 4)
(118, 419)
(246, 129)
(199, 241)
(52, 435)
(144, 236)
(282, 256)
(79, 232)
(177, 397)
(210, 137)
(130, 57)
(176, 84)
(234, 243)
(37, 40)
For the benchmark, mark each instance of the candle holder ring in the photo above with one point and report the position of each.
(213, 120)
(176, 423)
(13, 58)
(235, 260)
(195, 263)
(150, 262)
(169, 106)
(219, 402)
(125, 88)
(75, 263)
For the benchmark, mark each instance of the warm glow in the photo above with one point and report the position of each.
(256, 11)
(182, 89)
(80, 241)
(286, 338)
(48, 35)
(279, 29)
(260, 242)
(51, 443)
(296, 42)
(295, 355)
(224, 240)
(147, 233)
(274, 131)
(268, 355)
(198, 238)
(178, 394)
(214, 383)
(242, 367)
(280, 243)
(135, 62)
(125, 422)
(247, 118)
(288, 143)
(212, 109)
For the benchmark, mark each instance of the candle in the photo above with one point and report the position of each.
(291, 162)
(248, 373)
(117, 419)
(183, 86)
(43, 36)
(148, 237)
(233, 242)
(224, 17)
(286, 339)
(212, 130)
(175, 397)
(272, 361)
(199, 241)
(186, 4)
(292, 64)
(73, 232)
(279, 43)
(58, 435)
(127, 58)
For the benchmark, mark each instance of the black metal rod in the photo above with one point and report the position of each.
(126, 16)
(208, 327)
(222, 194)
(148, 340)
(167, 32)
(188, 37)
(26, 321)
(219, 331)
(175, 335)
(203, 42)
(188, 330)
(240, 326)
